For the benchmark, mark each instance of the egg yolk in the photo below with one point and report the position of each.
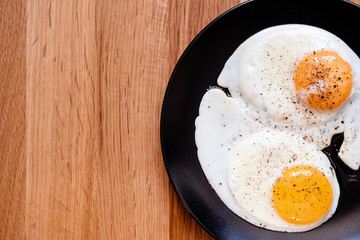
(302, 195)
(323, 80)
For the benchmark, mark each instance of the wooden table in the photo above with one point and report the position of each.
(82, 84)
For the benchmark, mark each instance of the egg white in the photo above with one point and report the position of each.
(259, 75)
(260, 160)
(224, 131)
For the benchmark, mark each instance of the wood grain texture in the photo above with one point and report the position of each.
(63, 120)
(80, 98)
(132, 34)
(12, 121)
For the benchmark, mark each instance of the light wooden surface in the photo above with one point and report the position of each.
(82, 84)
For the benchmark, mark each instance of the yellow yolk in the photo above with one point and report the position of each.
(323, 80)
(302, 195)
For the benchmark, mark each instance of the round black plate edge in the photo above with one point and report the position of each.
(163, 106)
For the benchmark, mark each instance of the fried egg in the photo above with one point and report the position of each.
(243, 160)
(281, 183)
(301, 79)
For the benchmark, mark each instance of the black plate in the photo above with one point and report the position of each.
(199, 67)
